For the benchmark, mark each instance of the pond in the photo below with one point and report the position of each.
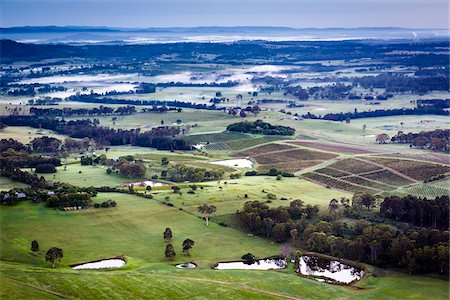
(101, 264)
(333, 270)
(262, 264)
(234, 163)
(146, 183)
(188, 265)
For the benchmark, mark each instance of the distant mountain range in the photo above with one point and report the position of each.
(102, 35)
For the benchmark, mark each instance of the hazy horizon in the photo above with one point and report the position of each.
(417, 14)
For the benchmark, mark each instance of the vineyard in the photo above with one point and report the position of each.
(237, 145)
(414, 169)
(284, 157)
(426, 191)
(381, 175)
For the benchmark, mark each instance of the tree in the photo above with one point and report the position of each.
(382, 138)
(170, 252)
(164, 161)
(187, 246)
(54, 254)
(294, 234)
(168, 234)
(333, 207)
(207, 210)
(34, 246)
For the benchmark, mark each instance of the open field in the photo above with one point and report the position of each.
(25, 134)
(230, 196)
(134, 228)
(7, 184)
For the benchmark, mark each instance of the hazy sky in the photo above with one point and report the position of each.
(185, 13)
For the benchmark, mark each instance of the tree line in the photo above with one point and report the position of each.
(161, 138)
(417, 211)
(437, 140)
(70, 112)
(170, 103)
(419, 110)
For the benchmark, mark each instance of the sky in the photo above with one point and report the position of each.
(192, 13)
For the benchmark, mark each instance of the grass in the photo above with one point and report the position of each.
(134, 229)
(89, 176)
(229, 197)
(25, 134)
(6, 184)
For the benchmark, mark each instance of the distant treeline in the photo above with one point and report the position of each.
(233, 53)
(70, 112)
(394, 83)
(161, 138)
(421, 109)
(173, 103)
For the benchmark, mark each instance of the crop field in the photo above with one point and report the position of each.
(415, 169)
(285, 157)
(377, 175)
(355, 166)
(386, 176)
(269, 148)
(351, 149)
(215, 137)
(427, 191)
(336, 183)
(241, 144)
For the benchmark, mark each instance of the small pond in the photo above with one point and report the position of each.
(262, 264)
(101, 264)
(234, 163)
(188, 265)
(146, 183)
(333, 270)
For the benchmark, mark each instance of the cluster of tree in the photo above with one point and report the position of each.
(146, 88)
(181, 173)
(45, 168)
(333, 92)
(280, 223)
(106, 204)
(417, 211)
(22, 159)
(161, 138)
(297, 91)
(261, 127)
(437, 140)
(170, 251)
(131, 169)
(70, 112)
(170, 103)
(45, 144)
(17, 174)
(418, 250)
(396, 83)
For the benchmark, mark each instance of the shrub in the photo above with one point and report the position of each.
(45, 168)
